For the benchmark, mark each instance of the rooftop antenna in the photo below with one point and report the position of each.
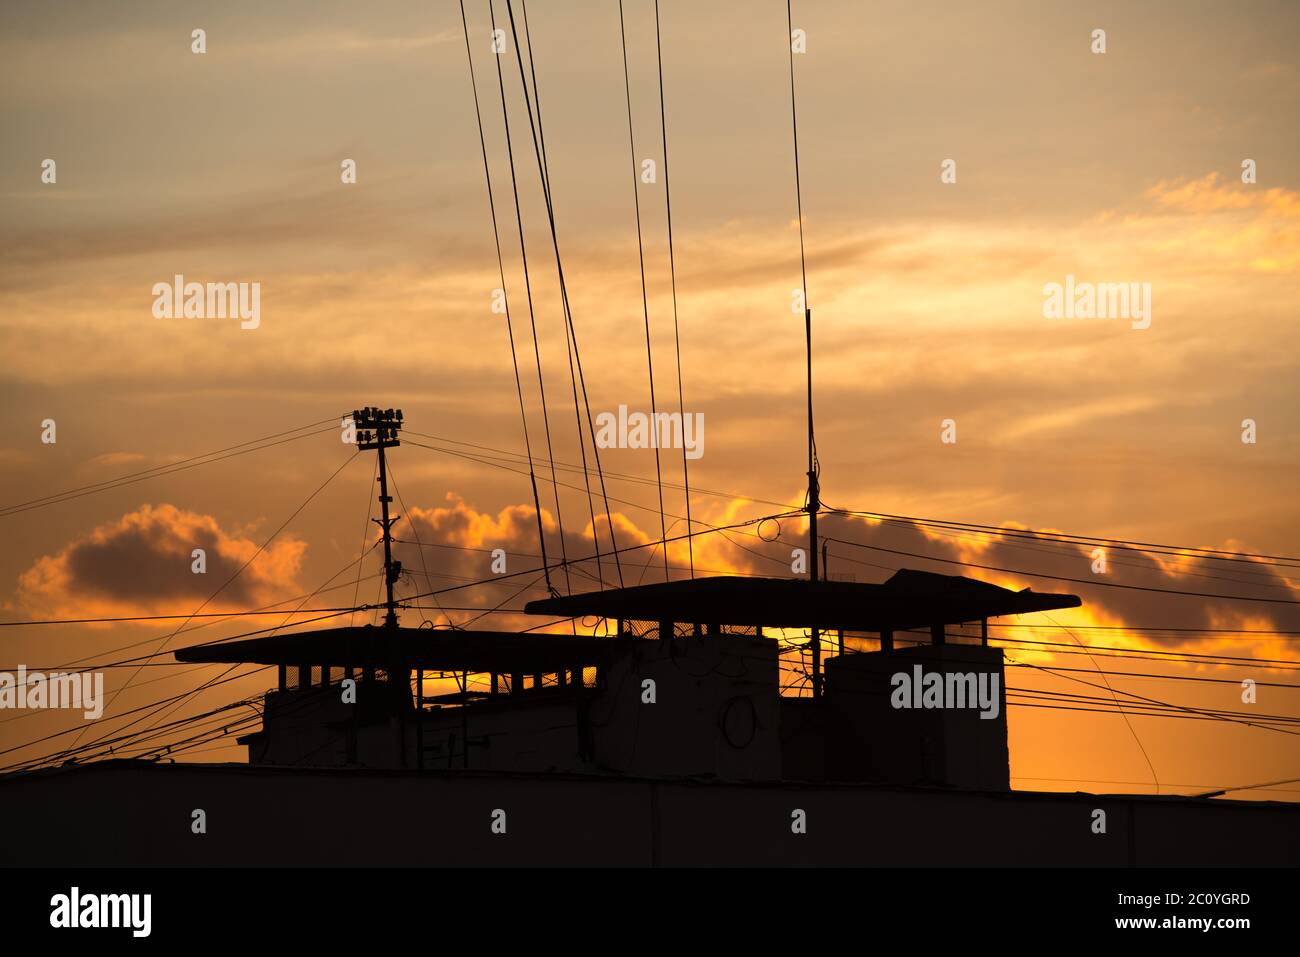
(377, 429)
(814, 501)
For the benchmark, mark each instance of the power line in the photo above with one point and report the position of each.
(940, 525)
(416, 531)
(1151, 654)
(1127, 722)
(58, 734)
(155, 709)
(510, 332)
(645, 298)
(766, 557)
(212, 614)
(146, 660)
(714, 528)
(1181, 551)
(1141, 674)
(1148, 628)
(365, 533)
(1164, 703)
(59, 498)
(471, 548)
(651, 544)
(1156, 709)
(571, 339)
(858, 544)
(813, 503)
(571, 335)
(528, 288)
(1053, 547)
(1062, 578)
(1267, 785)
(240, 570)
(1187, 659)
(518, 457)
(672, 273)
(1172, 784)
(1097, 707)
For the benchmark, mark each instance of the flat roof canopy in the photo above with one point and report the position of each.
(432, 649)
(910, 599)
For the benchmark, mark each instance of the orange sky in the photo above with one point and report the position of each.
(927, 300)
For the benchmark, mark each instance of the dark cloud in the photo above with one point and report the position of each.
(1045, 564)
(143, 563)
(459, 541)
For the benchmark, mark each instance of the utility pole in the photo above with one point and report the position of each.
(377, 429)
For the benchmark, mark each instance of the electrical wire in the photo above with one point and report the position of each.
(645, 296)
(510, 332)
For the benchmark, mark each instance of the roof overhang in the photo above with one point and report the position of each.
(910, 599)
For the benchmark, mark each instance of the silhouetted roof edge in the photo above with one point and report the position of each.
(909, 599)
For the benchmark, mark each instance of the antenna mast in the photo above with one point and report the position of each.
(377, 429)
(814, 501)
(814, 505)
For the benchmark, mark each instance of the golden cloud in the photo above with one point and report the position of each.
(144, 563)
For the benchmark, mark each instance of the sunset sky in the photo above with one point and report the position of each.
(927, 302)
